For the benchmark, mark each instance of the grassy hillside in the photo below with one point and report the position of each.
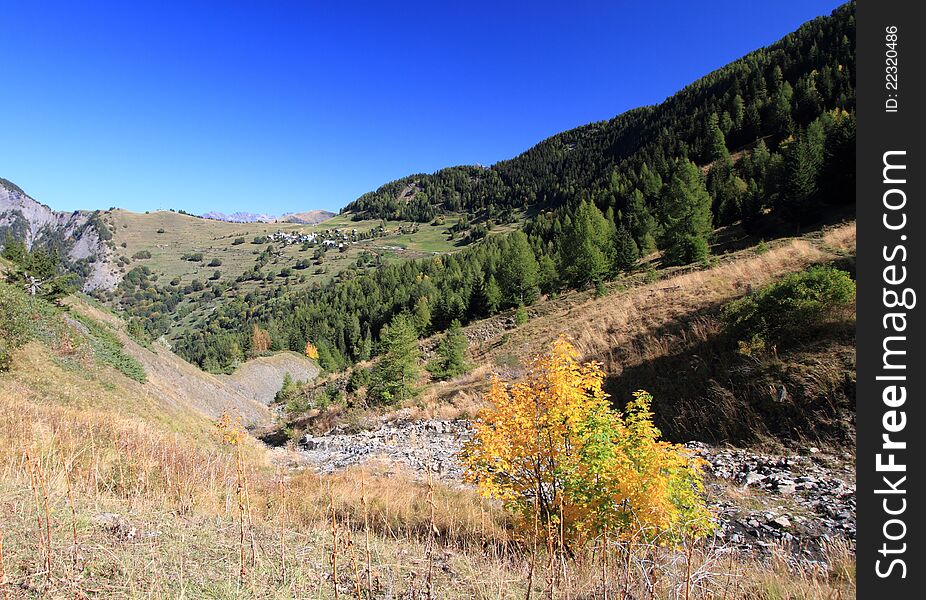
(170, 236)
(180, 268)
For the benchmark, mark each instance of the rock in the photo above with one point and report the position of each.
(781, 522)
(754, 478)
(116, 524)
(109, 520)
(419, 445)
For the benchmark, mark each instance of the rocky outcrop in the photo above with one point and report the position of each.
(75, 236)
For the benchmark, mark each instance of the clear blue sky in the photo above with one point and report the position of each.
(273, 106)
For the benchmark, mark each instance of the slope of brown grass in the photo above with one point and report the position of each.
(627, 325)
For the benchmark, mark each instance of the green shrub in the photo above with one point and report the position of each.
(788, 307)
(520, 316)
(108, 350)
(15, 323)
(358, 379)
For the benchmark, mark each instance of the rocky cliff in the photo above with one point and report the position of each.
(78, 237)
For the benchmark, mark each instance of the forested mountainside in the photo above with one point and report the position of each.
(769, 136)
(770, 94)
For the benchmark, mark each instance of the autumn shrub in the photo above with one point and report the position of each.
(553, 450)
(788, 308)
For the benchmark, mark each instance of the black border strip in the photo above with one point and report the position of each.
(890, 129)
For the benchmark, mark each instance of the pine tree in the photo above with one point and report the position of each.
(493, 296)
(519, 272)
(587, 252)
(688, 219)
(717, 144)
(626, 252)
(640, 222)
(396, 374)
(837, 174)
(803, 158)
(727, 191)
(366, 345)
(451, 354)
(422, 315)
(549, 275)
(782, 122)
(739, 111)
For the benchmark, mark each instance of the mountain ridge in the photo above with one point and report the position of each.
(309, 217)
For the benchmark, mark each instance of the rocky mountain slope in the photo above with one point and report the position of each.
(78, 237)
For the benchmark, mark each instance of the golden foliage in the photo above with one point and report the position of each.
(260, 340)
(311, 351)
(551, 447)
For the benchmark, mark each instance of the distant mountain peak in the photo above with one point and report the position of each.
(238, 217)
(307, 218)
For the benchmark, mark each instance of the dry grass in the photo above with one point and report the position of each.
(628, 325)
(179, 531)
(157, 553)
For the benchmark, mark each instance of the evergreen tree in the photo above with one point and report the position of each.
(519, 272)
(640, 222)
(451, 354)
(717, 144)
(422, 316)
(739, 111)
(366, 345)
(688, 216)
(837, 175)
(549, 275)
(587, 251)
(727, 191)
(803, 157)
(493, 296)
(14, 250)
(396, 374)
(626, 252)
(782, 123)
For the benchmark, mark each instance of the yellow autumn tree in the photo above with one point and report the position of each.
(551, 447)
(311, 351)
(260, 340)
